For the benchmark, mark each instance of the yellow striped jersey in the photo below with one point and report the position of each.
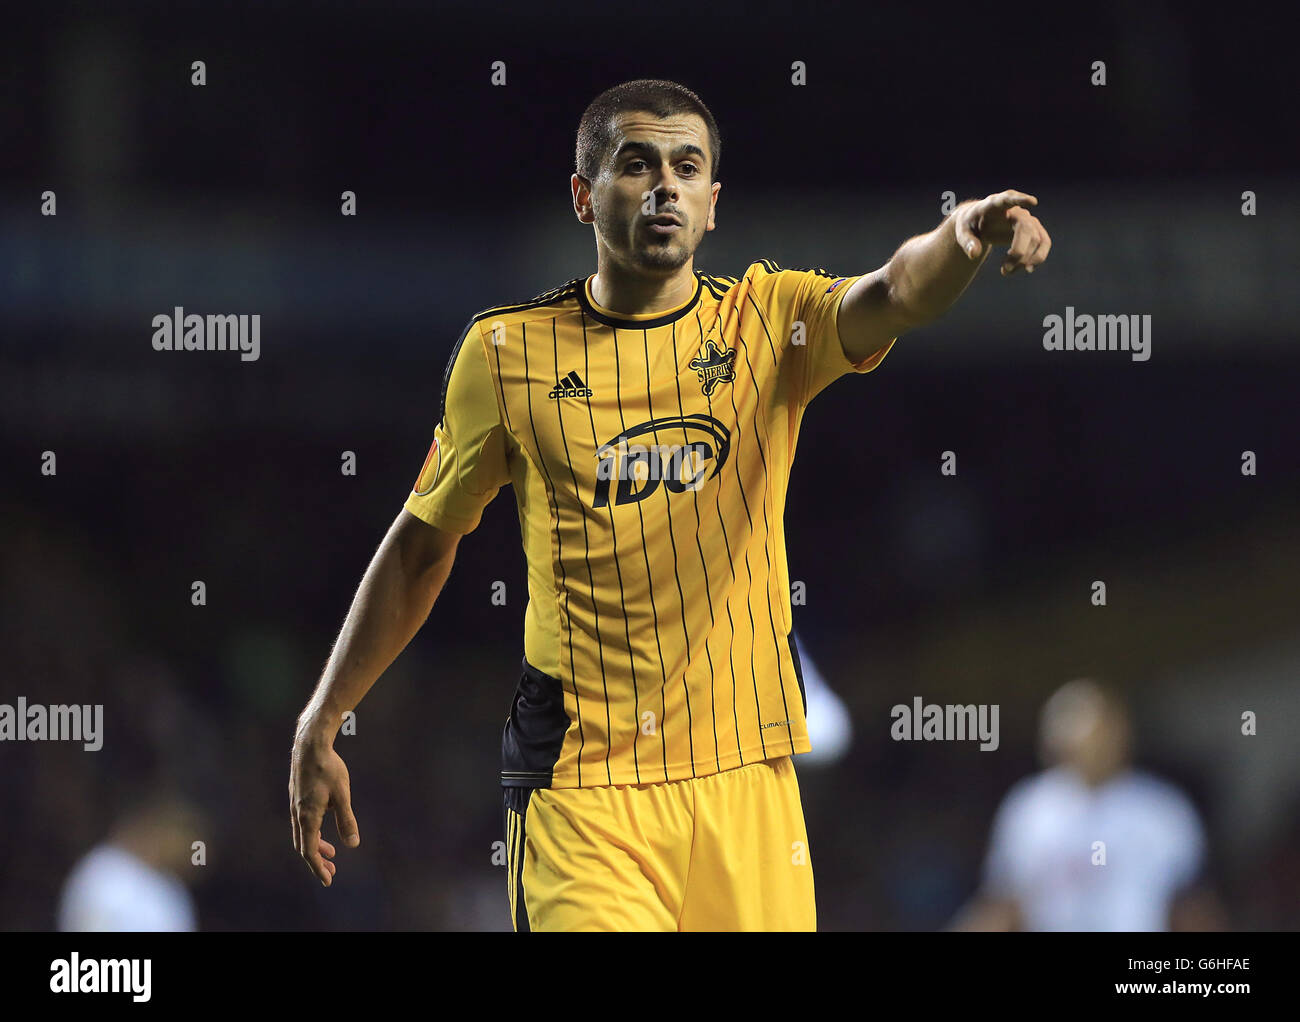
(649, 457)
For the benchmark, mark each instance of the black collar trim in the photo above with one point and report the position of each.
(638, 324)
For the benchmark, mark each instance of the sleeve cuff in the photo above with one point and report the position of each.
(874, 359)
(440, 519)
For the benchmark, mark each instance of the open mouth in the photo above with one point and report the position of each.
(663, 224)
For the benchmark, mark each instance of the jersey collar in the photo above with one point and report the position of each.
(646, 322)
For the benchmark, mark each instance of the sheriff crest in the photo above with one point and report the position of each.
(714, 366)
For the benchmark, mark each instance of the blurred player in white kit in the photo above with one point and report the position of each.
(1043, 870)
(130, 882)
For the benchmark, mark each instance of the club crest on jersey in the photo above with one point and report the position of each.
(714, 367)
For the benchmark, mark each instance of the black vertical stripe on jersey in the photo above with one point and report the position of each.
(767, 490)
(672, 539)
(708, 593)
(731, 566)
(645, 552)
(559, 541)
(501, 388)
(586, 553)
(618, 568)
(749, 604)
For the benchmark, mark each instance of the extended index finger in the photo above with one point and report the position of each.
(1007, 199)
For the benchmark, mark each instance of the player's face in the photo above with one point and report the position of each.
(658, 169)
(1089, 734)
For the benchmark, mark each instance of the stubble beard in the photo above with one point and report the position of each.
(668, 254)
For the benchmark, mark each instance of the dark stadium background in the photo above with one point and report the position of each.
(1071, 466)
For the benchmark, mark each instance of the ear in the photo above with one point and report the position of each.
(713, 203)
(582, 204)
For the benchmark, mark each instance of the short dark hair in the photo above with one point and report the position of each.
(652, 95)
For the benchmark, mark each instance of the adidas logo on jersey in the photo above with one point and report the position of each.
(570, 386)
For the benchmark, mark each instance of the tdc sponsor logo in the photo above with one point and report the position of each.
(639, 459)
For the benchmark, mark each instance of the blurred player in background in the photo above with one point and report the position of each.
(131, 882)
(1043, 870)
(830, 728)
